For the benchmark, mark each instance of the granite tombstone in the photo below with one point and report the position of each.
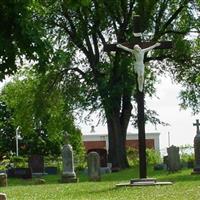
(93, 161)
(196, 169)
(173, 159)
(68, 173)
(36, 163)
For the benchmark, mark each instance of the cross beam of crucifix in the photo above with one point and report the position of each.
(140, 93)
(163, 45)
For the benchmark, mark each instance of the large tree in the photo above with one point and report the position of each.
(84, 27)
(107, 80)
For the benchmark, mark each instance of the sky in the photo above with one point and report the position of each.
(181, 130)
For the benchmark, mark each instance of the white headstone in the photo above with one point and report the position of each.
(68, 173)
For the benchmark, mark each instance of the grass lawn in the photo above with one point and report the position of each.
(185, 187)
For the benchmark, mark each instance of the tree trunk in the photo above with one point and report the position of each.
(117, 142)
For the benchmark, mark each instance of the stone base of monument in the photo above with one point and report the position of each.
(39, 174)
(3, 196)
(68, 179)
(196, 171)
(143, 182)
(3, 179)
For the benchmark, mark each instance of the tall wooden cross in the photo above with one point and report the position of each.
(197, 124)
(140, 94)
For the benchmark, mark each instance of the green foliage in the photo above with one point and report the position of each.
(18, 162)
(189, 78)
(186, 153)
(21, 35)
(7, 130)
(153, 156)
(133, 156)
(42, 113)
(4, 163)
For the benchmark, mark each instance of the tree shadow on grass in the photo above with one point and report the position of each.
(117, 177)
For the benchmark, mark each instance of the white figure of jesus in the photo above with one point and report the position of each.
(138, 52)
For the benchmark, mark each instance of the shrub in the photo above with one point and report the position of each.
(18, 161)
(132, 156)
(153, 156)
(4, 164)
(187, 155)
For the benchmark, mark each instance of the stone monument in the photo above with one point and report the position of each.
(3, 196)
(3, 179)
(93, 161)
(68, 173)
(196, 169)
(173, 159)
(36, 163)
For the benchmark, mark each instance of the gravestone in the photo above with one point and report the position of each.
(93, 162)
(51, 170)
(3, 196)
(165, 161)
(3, 179)
(36, 163)
(196, 169)
(24, 173)
(103, 156)
(68, 173)
(173, 159)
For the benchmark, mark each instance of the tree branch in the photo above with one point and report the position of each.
(73, 33)
(158, 58)
(173, 17)
(180, 32)
(76, 69)
(163, 7)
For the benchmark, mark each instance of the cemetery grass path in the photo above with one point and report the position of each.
(185, 187)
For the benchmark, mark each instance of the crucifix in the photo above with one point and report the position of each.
(197, 124)
(138, 49)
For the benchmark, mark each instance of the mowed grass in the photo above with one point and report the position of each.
(185, 186)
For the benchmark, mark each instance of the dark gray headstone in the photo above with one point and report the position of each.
(36, 163)
(196, 169)
(24, 173)
(173, 159)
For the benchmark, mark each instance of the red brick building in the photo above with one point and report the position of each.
(100, 141)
